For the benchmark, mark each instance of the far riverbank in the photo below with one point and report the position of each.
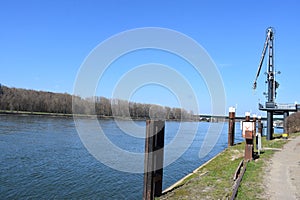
(23, 113)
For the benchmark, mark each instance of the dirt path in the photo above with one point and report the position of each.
(282, 178)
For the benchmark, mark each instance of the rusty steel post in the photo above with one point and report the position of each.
(154, 156)
(231, 126)
(249, 141)
(249, 147)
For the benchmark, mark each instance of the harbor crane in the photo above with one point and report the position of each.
(271, 107)
(270, 79)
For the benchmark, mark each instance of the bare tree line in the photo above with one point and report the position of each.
(15, 99)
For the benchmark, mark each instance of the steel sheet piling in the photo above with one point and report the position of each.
(154, 156)
(231, 126)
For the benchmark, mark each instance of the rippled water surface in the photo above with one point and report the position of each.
(43, 157)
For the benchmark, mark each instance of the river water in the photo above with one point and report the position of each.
(43, 157)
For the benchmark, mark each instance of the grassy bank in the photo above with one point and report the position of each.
(215, 179)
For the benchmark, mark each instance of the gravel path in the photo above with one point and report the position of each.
(282, 178)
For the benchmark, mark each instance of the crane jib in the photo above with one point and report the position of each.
(269, 37)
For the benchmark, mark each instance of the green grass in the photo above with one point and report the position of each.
(215, 180)
(251, 185)
(212, 181)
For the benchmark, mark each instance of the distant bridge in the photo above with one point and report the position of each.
(215, 118)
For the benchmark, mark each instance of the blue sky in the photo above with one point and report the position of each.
(43, 44)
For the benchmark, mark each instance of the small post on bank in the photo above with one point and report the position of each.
(259, 134)
(254, 116)
(231, 126)
(285, 125)
(248, 128)
(154, 156)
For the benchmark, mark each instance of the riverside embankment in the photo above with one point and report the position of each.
(214, 180)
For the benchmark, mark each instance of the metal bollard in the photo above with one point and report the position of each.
(248, 128)
(154, 156)
(231, 126)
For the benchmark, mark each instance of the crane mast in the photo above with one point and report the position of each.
(271, 72)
